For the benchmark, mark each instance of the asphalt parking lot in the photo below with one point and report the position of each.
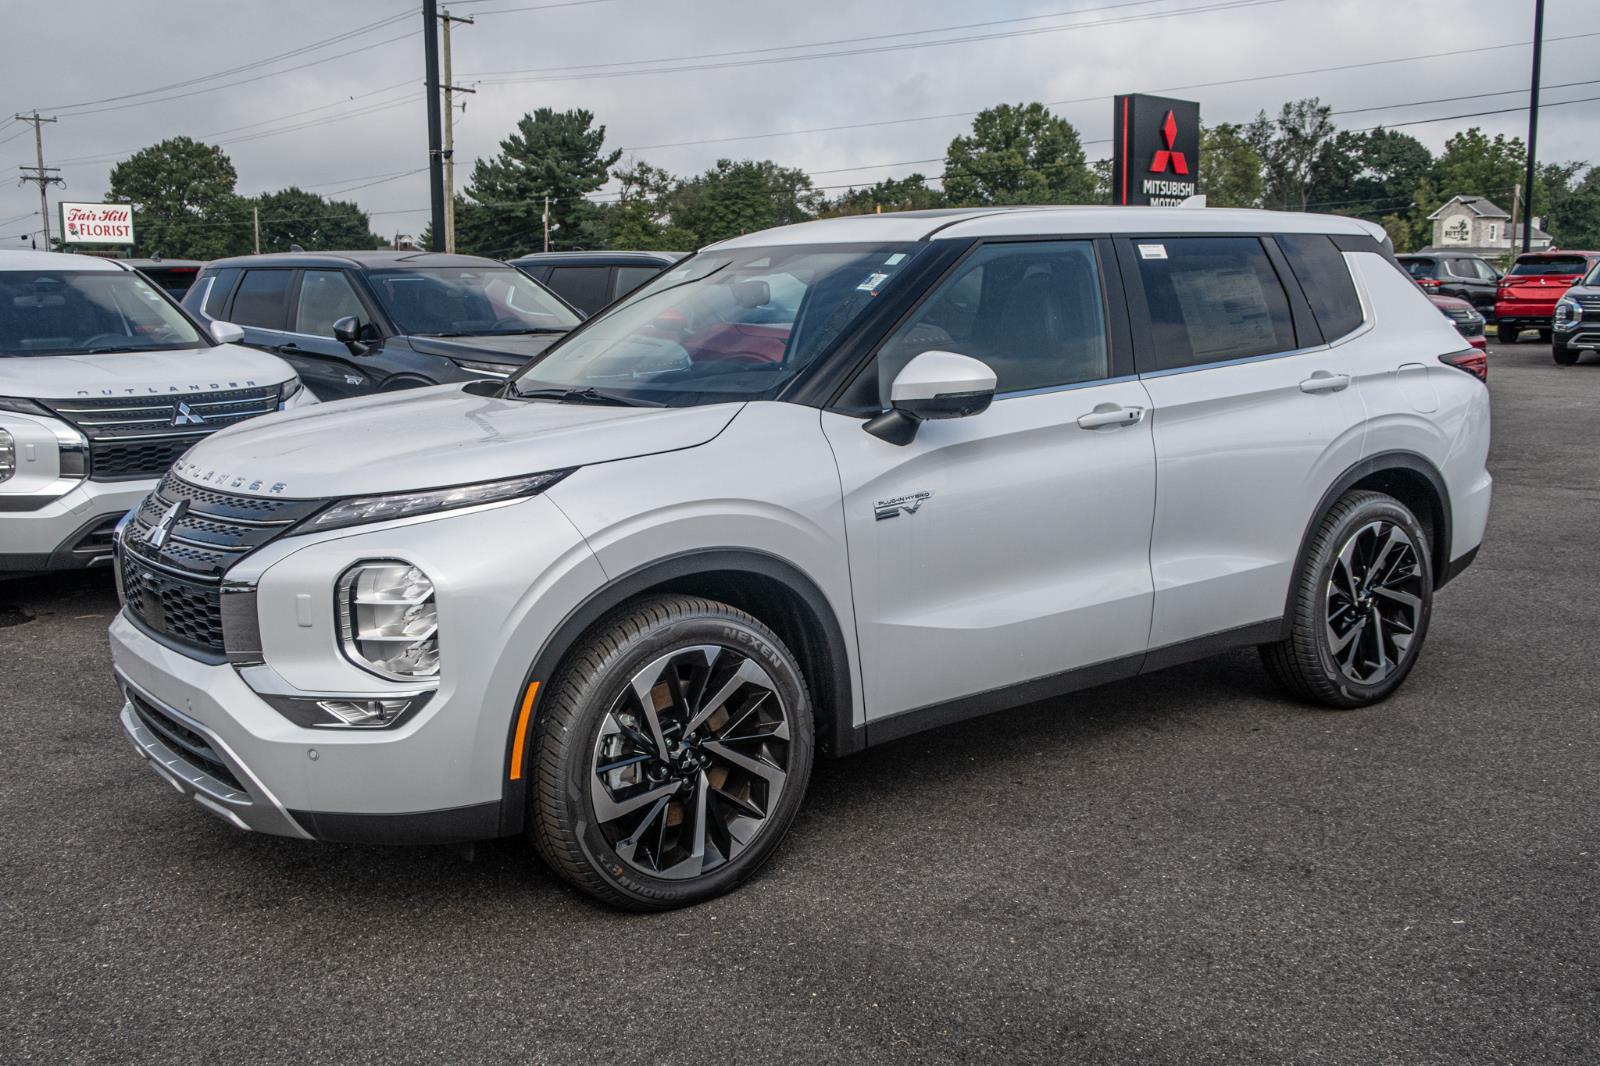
(1184, 868)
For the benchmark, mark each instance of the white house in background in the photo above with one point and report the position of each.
(1472, 225)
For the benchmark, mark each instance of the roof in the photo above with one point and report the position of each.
(364, 260)
(904, 226)
(1478, 205)
(618, 257)
(157, 264)
(27, 260)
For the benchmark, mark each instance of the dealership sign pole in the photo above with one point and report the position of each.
(1156, 160)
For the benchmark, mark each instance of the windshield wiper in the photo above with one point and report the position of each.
(494, 332)
(590, 395)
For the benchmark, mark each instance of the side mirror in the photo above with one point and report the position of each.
(226, 333)
(933, 385)
(348, 332)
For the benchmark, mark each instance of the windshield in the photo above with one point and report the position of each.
(60, 312)
(724, 325)
(1573, 264)
(469, 302)
(1418, 268)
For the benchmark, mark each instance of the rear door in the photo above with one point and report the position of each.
(1012, 545)
(322, 298)
(1254, 417)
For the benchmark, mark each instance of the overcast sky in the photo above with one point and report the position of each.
(352, 114)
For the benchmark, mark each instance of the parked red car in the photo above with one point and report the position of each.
(1527, 295)
(1464, 317)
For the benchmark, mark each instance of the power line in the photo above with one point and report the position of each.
(527, 7)
(1225, 5)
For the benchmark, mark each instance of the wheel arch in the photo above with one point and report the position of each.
(773, 590)
(1408, 477)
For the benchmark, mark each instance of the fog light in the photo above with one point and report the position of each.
(365, 712)
(345, 712)
(388, 620)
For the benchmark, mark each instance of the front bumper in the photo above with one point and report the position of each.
(66, 527)
(437, 776)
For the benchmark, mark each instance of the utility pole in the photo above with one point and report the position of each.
(255, 224)
(42, 176)
(1516, 204)
(450, 88)
(430, 62)
(547, 222)
(1533, 122)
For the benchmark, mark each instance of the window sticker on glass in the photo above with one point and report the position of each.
(872, 282)
(1152, 251)
(893, 259)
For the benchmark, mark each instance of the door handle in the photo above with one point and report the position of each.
(1110, 415)
(1322, 381)
(291, 348)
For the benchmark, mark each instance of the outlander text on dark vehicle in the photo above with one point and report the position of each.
(104, 382)
(812, 489)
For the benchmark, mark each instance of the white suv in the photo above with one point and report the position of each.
(812, 489)
(104, 381)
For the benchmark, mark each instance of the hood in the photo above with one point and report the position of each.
(516, 348)
(187, 370)
(431, 438)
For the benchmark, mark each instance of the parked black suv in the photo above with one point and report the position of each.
(1466, 277)
(353, 323)
(590, 280)
(173, 275)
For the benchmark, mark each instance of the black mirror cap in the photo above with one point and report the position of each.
(347, 330)
(899, 426)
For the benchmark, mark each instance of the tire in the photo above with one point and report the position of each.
(1507, 332)
(1563, 355)
(629, 835)
(1340, 595)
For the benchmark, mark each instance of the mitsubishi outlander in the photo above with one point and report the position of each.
(103, 383)
(809, 490)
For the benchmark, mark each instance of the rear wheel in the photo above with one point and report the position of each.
(672, 754)
(1508, 332)
(1362, 601)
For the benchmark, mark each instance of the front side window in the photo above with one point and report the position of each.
(1031, 311)
(1212, 299)
(325, 298)
(59, 312)
(725, 325)
(261, 299)
(468, 302)
(631, 277)
(582, 286)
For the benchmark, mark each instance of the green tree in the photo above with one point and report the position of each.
(640, 218)
(1576, 222)
(910, 193)
(315, 223)
(184, 205)
(1475, 165)
(1230, 169)
(1396, 165)
(1290, 148)
(556, 154)
(741, 197)
(1018, 154)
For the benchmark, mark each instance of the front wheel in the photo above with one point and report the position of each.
(1562, 354)
(671, 755)
(1361, 605)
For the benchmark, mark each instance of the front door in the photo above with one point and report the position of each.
(326, 364)
(1014, 544)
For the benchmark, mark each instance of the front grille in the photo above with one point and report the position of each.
(180, 542)
(184, 742)
(142, 436)
(1460, 314)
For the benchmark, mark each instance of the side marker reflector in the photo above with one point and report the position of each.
(522, 730)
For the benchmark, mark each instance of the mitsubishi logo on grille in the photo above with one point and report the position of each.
(158, 532)
(1168, 155)
(186, 417)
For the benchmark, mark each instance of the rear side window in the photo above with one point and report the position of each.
(1212, 299)
(261, 299)
(1325, 279)
(586, 288)
(631, 277)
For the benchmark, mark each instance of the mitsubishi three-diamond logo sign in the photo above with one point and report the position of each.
(184, 416)
(1157, 155)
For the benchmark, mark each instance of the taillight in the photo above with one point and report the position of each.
(1428, 284)
(1470, 360)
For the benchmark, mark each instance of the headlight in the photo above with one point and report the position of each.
(383, 508)
(493, 370)
(289, 390)
(389, 622)
(1567, 312)
(8, 455)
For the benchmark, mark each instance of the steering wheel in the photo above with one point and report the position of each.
(508, 322)
(104, 339)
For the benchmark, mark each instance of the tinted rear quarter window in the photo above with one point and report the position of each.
(585, 287)
(1212, 299)
(1325, 279)
(261, 299)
